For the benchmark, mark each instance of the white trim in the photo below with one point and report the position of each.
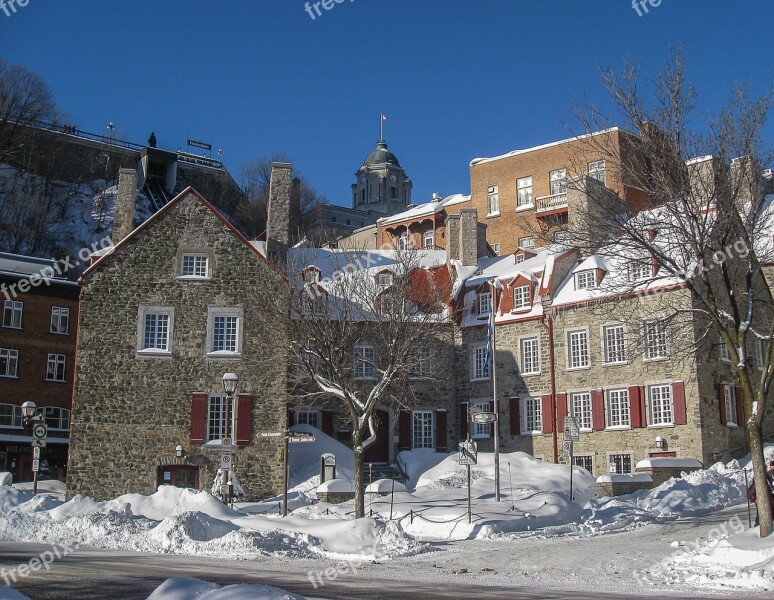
(224, 311)
(142, 312)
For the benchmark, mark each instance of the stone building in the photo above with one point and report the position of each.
(164, 314)
(37, 359)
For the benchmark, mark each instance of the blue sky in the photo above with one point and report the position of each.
(457, 79)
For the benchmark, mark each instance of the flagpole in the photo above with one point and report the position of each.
(381, 126)
(495, 400)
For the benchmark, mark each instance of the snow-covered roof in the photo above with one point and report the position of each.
(673, 462)
(25, 266)
(426, 209)
(625, 478)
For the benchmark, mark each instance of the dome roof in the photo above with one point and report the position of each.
(381, 155)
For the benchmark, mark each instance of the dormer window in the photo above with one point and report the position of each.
(384, 279)
(585, 280)
(640, 271)
(311, 275)
(518, 258)
(428, 239)
(485, 303)
(521, 297)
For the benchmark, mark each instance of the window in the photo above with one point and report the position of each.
(618, 408)
(480, 430)
(493, 200)
(403, 242)
(563, 237)
(724, 355)
(384, 279)
(308, 417)
(393, 192)
(485, 303)
(597, 170)
(195, 266)
(60, 320)
(9, 362)
(620, 463)
(730, 396)
(660, 400)
(521, 297)
(365, 358)
(57, 418)
(584, 461)
(55, 370)
(216, 419)
(480, 366)
(527, 242)
(311, 275)
(156, 330)
(655, 340)
(422, 365)
(428, 239)
(615, 344)
(585, 280)
(558, 181)
(12, 314)
(524, 192)
(577, 349)
(530, 356)
(518, 258)
(391, 304)
(640, 271)
(496, 248)
(533, 416)
(423, 429)
(224, 331)
(10, 415)
(580, 405)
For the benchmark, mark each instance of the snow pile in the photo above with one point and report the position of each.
(6, 478)
(188, 588)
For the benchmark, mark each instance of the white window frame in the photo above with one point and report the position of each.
(557, 180)
(524, 198)
(477, 359)
(583, 357)
(56, 364)
(651, 352)
(614, 347)
(584, 457)
(403, 241)
(618, 413)
(612, 459)
(493, 201)
(640, 271)
(597, 170)
(214, 312)
(527, 242)
(309, 416)
(14, 308)
(384, 278)
(16, 421)
(56, 418)
(729, 393)
(364, 367)
(58, 315)
(480, 430)
(428, 240)
(484, 303)
(518, 258)
(586, 280)
(580, 408)
(531, 365)
(724, 354)
(563, 237)
(11, 357)
(522, 297)
(311, 275)
(422, 429)
(661, 410)
(531, 409)
(216, 416)
(196, 270)
(496, 247)
(146, 311)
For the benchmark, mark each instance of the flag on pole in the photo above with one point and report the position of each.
(384, 117)
(488, 355)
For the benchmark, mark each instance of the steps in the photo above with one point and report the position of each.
(380, 471)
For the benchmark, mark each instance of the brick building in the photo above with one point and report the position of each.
(37, 357)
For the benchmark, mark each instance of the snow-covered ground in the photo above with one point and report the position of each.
(411, 523)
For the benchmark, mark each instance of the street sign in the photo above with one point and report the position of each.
(295, 438)
(227, 446)
(571, 429)
(484, 418)
(36, 465)
(36, 453)
(39, 431)
(272, 434)
(225, 462)
(38, 443)
(468, 453)
(567, 448)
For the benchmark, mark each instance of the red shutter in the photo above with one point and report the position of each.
(739, 407)
(244, 414)
(441, 443)
(722, 403)
(464, 420)
(643, 406)
(548, 413)
(597, 410)
(404, 430)
(561, 409)
(515, 410)
(635, 411)
(291, 417)
(327, 422)
(198, 417)
(680, 415)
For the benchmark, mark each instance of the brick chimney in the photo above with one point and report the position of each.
(278, 220)
(126, 196)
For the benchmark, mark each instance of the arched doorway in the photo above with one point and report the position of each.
(379, 451)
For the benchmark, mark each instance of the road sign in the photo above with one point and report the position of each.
(36, 453)
(571, 429)
(225, 462)
(567, 448)
(468, 453)
(38, 443)
(39, 431)
(484, 418)
(36, 464)
(272, 434)
(295, 438)
(227, 446)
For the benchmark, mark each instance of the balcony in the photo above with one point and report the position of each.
(551, 204)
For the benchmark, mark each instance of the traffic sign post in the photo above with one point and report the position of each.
(567, 447)
(571, 429)
(468, 456)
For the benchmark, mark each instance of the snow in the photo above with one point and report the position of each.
(6, 478)
(336, 486)
(385, 486)
(189, 588)
(661, 462)
(624, 478)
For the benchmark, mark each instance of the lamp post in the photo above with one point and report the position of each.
(30, 418)
(230, 382)
(495, 401)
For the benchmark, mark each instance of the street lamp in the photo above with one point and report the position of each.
(230, 383)
(29, 419)
(494, 286)
(28, 412)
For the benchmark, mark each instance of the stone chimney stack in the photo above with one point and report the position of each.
(278, 221)
(126, 196)
(468, 244)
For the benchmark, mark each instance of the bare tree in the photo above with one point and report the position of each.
(709, 225)
(364, 323)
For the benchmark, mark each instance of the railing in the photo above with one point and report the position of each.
(553, 202)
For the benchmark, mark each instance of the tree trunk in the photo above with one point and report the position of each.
(359, 486)
(755, 439)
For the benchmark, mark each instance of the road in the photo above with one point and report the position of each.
(522, 567)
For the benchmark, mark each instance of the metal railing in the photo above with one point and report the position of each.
(553, 202)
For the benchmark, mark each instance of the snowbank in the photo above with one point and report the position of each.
(6, 478)
(385, 486)
(188, 588)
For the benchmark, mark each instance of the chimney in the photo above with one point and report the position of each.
(452, 226)
(278, 220)
(468, 245)
(126, 196)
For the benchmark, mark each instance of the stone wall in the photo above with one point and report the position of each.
(129, 409)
